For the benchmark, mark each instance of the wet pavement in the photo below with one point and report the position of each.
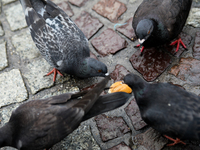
(22, 70)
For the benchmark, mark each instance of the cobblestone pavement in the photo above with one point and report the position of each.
(22, 69)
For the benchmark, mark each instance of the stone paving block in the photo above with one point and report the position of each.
(128, 30)
(35, 72)
(5, 2)
(66, 7)
(187, 70)
(132, 110)
(25, 47)
(186, 40)
(13, 89)
(111, 127)
(149, 140)
(78, 3)
(15, 17)
(121, 146)
(88, 24)
(119, 73)
(196, 46)
(80, 139)
(151, 64)
(3, 58)
(108, 42)
(194, 17)
(111, 9)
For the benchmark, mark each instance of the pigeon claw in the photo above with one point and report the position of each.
(179, 41)
(55, 71)
(176, 141)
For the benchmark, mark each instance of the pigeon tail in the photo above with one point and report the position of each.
(25, 4)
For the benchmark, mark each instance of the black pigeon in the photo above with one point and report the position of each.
(60, 41)
(157, 22)
(167, 108)
(39, 124)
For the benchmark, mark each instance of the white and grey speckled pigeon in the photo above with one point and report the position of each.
(59, 40)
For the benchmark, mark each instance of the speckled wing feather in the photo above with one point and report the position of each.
(55, 35)
(174, 111)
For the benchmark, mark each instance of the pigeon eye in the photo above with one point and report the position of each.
(99, 70)
(148, 32)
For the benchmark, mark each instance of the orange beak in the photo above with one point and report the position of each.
(119, 87)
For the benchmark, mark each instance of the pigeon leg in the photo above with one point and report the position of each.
(142, 49)
(137, 45)
(179, 41)
(55, 71)
(176, 141)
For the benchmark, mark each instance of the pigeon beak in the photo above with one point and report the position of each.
(141, 41)
(107, 74)
(119, 87)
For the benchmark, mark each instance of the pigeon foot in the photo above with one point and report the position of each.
(176, 141)
(179, 41)
(142, 49)
(55, 71)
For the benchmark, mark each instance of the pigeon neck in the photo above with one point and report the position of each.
(139, 89)
(6, 135)
(160, 31)
(82, 69)
(155, 26)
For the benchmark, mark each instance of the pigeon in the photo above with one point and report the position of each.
(157, 22)
(167, 108)
(39, 124)
(60, 41)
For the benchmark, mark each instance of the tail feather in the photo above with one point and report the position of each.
(107, 103)
(25, 4)
(90, 98)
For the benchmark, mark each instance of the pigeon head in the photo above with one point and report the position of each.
(144, 30)
(92, 67)
(134, 82)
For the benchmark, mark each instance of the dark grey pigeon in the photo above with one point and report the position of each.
(157, 22)
(39, 124)
(167, 108)
(60, 41)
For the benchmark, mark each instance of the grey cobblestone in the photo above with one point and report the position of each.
(15, 17)
(3, 58)
(25, 46)
(13, 89)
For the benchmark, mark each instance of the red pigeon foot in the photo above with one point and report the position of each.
(142, 49)
(176, 141)
(55, 71)
(179, 41)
